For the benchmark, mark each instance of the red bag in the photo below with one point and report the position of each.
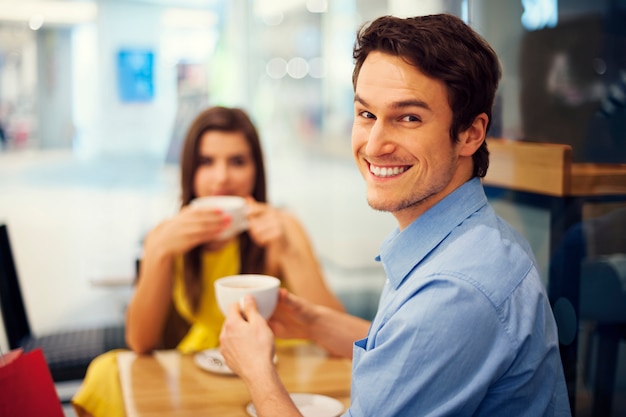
(26, 386)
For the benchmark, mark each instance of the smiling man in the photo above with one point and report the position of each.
(464, 327)
(401, 137)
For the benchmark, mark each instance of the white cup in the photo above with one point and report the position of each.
(233, 206)
(263, 288)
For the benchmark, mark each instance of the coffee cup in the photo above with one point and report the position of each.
(234, 206)
(263, 288)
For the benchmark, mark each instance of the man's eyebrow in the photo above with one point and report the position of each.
(358, 99)
(398, 104)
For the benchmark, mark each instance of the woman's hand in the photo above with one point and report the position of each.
(265, 224)
(190, 227)
(289, 253)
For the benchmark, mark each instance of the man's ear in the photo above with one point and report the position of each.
(474, 136)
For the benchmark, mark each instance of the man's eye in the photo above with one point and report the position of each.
(367, 115)
(411, 118)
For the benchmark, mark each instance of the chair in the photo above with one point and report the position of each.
(69, 352)
(603, 299)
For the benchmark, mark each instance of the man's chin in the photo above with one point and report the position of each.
(390, 206)
(379, 205)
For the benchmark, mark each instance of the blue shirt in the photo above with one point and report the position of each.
(464, 326)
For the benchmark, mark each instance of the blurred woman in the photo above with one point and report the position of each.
(174, 303)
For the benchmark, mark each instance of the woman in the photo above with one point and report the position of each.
(174, 303)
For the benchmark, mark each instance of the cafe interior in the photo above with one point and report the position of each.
(95, 97)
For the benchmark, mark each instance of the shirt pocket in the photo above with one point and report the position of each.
(359, 349)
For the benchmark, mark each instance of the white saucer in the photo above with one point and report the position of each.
(212, 360)
(310, 405)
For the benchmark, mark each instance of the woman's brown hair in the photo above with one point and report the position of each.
(252, 258)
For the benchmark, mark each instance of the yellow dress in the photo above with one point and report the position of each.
(101, 393)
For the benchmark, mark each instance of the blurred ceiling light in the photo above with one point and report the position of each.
(263, 8)
(273, 19)
(297, 68)
(317, 67)
(36, 21)
(405, 8)
(317, 6)
(189, 18)
(276, 68)
(53, 12)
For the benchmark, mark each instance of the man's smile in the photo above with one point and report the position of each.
(387, 171)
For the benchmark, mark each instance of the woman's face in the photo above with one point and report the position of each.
(225, 165)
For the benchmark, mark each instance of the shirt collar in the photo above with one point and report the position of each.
(402, 251)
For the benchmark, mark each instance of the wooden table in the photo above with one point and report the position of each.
(547, 169)
(543, 174)
(168, 383)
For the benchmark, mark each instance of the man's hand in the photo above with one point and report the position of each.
(247, 342)
(293, 317)
(335, 331)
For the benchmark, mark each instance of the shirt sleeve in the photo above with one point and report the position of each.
(434, 352)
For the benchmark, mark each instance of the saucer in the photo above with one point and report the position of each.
(212, 360)
(310, 405)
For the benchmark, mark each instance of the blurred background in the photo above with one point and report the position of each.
(95, 97)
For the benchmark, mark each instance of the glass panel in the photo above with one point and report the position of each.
(564, 71)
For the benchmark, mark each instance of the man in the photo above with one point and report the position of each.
(464, 326)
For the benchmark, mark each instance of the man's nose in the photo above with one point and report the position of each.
(379, 141)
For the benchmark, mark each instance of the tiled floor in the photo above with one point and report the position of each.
(65, 392)
(69, 411)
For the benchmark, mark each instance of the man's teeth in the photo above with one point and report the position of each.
(386, 171)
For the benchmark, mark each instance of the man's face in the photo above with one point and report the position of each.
(400, 138)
